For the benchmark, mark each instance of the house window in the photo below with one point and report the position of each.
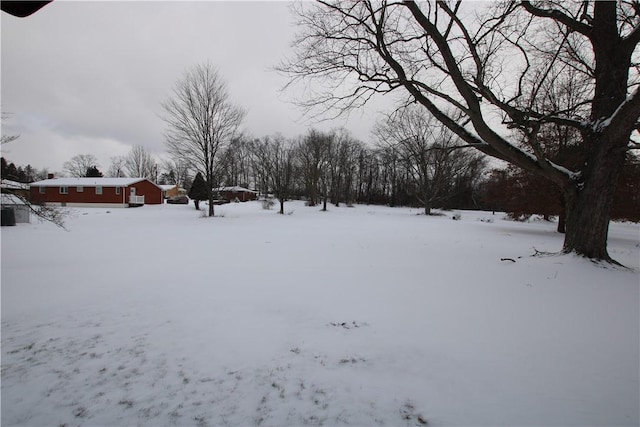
(117, 190)
(43, 190)
(64, 190)
(79, 188)
(98, 189)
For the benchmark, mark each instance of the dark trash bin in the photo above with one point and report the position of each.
(8, 217)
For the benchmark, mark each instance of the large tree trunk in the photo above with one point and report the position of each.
(587, 208)
(588, 205)
(587, 227)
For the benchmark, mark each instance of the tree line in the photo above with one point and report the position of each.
(18, 173)
(416, 160)
(333, 167)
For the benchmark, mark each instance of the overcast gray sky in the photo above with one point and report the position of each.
(89, 77)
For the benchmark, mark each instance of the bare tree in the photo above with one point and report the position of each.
(313, 155)
(176, 171)
(140, 164)
(429, 150)
(117, 167)
(201, 121)
(468, 71)
(369, 188)
(341, 164)
(260, 169)
(78, 165)
(235, 163)
(277, 158)
(390, 171)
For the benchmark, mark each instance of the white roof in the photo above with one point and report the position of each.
(13, 185)
(236, 189)
(167, 186)
(10, 199)
(87, 182)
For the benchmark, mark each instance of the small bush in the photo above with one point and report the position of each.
(518, 216)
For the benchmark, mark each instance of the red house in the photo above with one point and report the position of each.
(96, 192)
(232, 194)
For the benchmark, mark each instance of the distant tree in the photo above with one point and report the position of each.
(93, 172)
(277, 156)
(167, 178)
(313, 154)
(117, 167)
(201, 122)
(175, 171)
(199, 191)
(78, 165)
(369, 188)
(342, 166)
(30, 173)
(41, 174)
(391, 174)
(9, 170)
(235, 164)
(24, 174)
(432, 154)
(140, 164)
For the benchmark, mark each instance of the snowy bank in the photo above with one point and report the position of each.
(356, 316)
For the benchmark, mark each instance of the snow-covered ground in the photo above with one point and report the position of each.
(357, 316)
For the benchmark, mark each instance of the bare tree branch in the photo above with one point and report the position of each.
(559, 16)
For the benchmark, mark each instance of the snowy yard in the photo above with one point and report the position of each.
(357, 316)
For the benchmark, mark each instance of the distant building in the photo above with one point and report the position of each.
(232, 194)
(172, 190)
(96, 192)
